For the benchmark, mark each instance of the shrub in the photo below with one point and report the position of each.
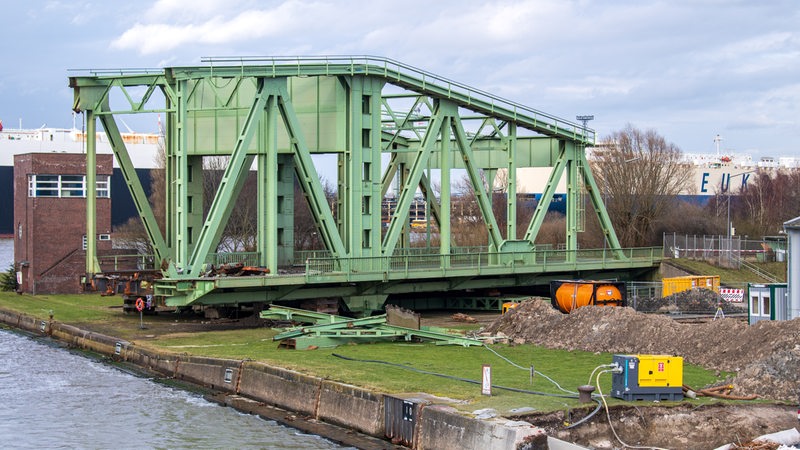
(8, 280)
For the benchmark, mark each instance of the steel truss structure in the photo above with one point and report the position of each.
(389, 126)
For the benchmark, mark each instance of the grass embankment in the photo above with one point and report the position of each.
(732, 276)
(569, 368)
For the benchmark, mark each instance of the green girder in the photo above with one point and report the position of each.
(280, 113)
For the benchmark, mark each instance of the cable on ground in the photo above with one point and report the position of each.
(608, 416)
(467, 380)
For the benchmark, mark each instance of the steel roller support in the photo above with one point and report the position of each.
(387, 125)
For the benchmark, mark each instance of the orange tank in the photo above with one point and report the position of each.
(568, 295)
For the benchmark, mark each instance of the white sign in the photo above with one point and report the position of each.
(486, 384)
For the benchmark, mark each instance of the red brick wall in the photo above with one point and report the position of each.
(52, 229)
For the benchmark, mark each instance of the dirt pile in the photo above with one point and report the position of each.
(766, 356)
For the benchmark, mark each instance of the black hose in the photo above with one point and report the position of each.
(467, 380)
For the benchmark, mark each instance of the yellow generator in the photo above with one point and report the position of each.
(648, 377)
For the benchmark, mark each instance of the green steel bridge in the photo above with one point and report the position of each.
(389, 126)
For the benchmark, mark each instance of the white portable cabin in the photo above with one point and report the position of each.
(767, 302)
(792, 229)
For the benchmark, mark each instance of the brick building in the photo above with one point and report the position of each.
(50, 219)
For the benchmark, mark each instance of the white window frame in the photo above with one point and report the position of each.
(66, 186)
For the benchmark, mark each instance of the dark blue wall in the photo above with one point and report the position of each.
(6, 200)
(122, 207)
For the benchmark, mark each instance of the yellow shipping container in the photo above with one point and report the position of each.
(674, 285)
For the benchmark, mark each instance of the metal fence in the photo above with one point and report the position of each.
(723, 251)
(643, 291)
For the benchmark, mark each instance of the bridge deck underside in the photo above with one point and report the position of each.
(403, 275)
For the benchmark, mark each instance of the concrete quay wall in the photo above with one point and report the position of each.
(339, 404)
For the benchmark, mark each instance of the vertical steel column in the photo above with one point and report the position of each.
(402, 175)
(285, 222)
(444, 199)
(268, 187)
(511, 186)
(193, 209)
(177, 181)
(360, 193)
(573, 187)
(92, 263)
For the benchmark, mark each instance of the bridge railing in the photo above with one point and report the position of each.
(542, 260)
(403, 73)
(320, 263)
(117, 263)
(246, 258)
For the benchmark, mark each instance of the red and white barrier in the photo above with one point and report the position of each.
(732, 295)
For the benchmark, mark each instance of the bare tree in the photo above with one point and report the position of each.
(640, 175)
(241, 230)
(767, 202)
(306, 232)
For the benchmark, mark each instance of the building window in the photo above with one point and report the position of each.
(43, 185)
(66, 186)
(71, 186)
(103, 186)
(100, 237)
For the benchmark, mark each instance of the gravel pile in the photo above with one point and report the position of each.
(693, 301)
(765, 356)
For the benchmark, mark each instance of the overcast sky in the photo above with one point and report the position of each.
(688, 69)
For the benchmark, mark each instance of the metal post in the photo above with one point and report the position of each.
(92, 264)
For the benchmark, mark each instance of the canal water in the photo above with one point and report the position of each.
(51, 397)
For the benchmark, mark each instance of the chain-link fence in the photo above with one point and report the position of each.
(724, 251)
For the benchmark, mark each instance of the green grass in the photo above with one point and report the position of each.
(731, 276)
(64, 308)
(569, 368)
